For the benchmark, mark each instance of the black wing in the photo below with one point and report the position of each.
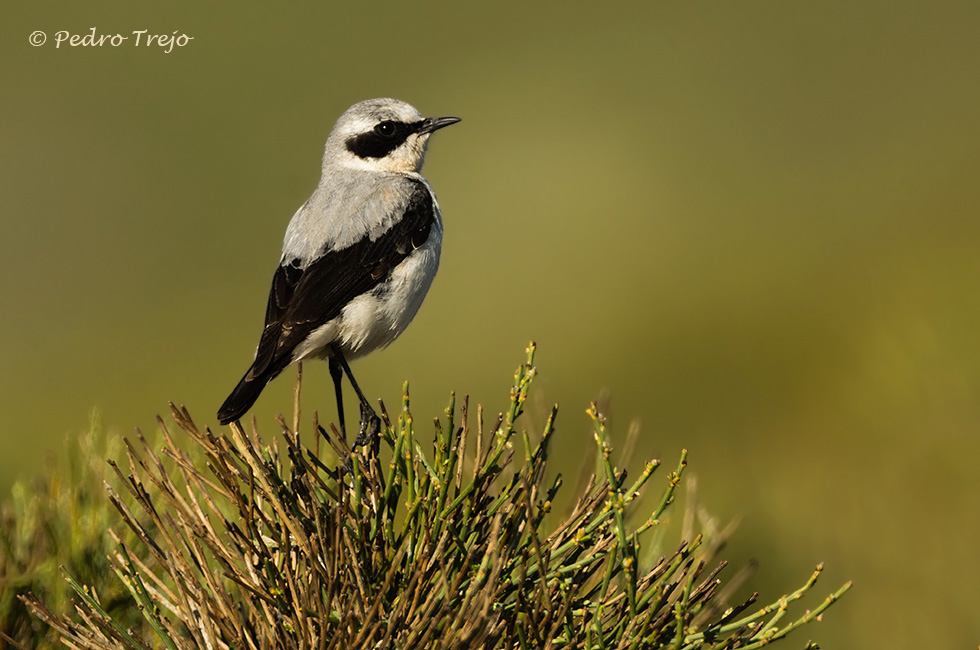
(301, 300)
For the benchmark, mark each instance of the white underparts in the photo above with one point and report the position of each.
(374, 319)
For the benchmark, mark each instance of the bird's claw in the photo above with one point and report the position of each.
(370, 426)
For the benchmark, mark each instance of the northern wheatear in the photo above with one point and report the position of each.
(359, 255)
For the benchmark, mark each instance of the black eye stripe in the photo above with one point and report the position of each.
(383, 139)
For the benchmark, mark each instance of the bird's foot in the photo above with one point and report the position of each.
(370, 432)
(370, 426)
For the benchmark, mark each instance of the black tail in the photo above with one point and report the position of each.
(243, 396)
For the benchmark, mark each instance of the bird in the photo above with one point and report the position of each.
(358, 256)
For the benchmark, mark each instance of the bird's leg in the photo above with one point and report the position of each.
(337, 374)
(370, 422)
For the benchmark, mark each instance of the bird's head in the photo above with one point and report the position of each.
(381, 135)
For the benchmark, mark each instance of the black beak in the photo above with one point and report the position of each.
(431, 124)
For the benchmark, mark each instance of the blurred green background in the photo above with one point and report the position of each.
(754, 224)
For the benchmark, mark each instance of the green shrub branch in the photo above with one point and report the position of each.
(251, 545)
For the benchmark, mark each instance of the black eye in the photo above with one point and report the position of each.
(386, 129)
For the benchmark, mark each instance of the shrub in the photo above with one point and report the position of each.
(59, 522)
(266, 546)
